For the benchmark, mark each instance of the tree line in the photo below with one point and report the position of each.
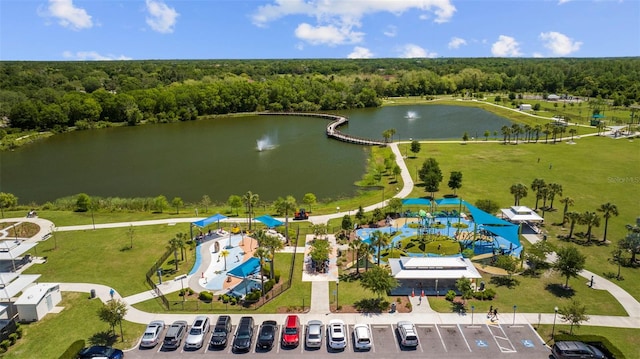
(57, 95)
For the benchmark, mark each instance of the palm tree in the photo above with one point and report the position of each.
(527, 131)
(224, 254)
(608, 210)
(568, 201)
(285, 206)
(516, 130)
(173, 246)
(554, 189)
(572, 217)
(250, 199)
(518, 191)
(261, 253)
(537, 129)
(536, 185)
(573, 132)
(272, 244)
(506, 131)
(379, 240)
(547, 131)
(589, 219)
(354, 245)
(182, 243)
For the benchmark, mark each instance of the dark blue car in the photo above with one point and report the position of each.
(99, 351)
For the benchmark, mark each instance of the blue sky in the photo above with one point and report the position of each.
(268, 29)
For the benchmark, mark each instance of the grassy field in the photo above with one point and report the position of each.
(594, 171)
(51, 336)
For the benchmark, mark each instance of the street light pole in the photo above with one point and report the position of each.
(337, 293)
(553, 330)
(514, 314)
(473, 307)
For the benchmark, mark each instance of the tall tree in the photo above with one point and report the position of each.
(177, 203)
(250, 199)
(378, 280)
(112, 313)
(224, 254)
(567, 201)
(589, 219)
(536, 186)
(608, 210)
(415, 147)
(205, 202)
(388, 134)
(455, 181)
(431, 175)
(174, 245)
(631, 242)
(518, 191)
(273, 244)
(7, 200)
(234, 202)
(574, 313)
(309, 199)
(285, 206)
(182, 243)
(380, 239)
(261, 253)
(569, 262)
(83, 202)
(554, 189)
(573, 218)
(160, 203)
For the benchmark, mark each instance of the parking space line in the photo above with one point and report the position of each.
(441, 340)
(503, 338)
(395, 338)
(464, 337)
(373, 346)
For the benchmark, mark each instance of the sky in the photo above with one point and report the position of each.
(284, 29)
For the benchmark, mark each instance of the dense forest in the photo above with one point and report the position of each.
(58, 95)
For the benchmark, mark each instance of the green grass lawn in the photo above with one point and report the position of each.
(594, 171)
(103, 256)
(539, 295)
(625, 339)
(51, 336)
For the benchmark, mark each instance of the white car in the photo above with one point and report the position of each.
(151, 335)
(408, 335)
(336, 334)
(196, 335)
(362, 337)
(314, 334)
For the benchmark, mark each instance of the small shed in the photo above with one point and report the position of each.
(525, 107)
(37, 301)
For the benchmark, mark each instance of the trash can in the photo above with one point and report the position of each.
(93, 293)
(393, 307)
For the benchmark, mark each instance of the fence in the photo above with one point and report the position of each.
(152, 272)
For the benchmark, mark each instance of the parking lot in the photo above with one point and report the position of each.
(435, 341)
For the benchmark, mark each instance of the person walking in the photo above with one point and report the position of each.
(490, 313)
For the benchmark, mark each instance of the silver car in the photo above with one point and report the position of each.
(151, 335)
(198, 331)
(336, 334)
(313, 338)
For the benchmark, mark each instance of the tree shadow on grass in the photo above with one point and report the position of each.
(560, 290)
(502, 281)
(372, 305)
(103, 338)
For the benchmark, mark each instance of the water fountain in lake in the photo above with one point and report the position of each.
(265, 143)
(411, 115)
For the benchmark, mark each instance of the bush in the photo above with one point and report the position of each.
(277, 277)
(489, 294)
(450, 296)
(268, 285)
(73, 350)
(4, 345)
(205, 296)
(13, 338)
(19, 330)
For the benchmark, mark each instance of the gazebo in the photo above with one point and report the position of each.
(207, 221)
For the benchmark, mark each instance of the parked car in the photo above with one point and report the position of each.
(99, 351)
(221, 332)
(291, 331)
(362, 337)
(244, 335)
(175, 334)
(196, 335)
(314, 334)
(408, 334)
(151, 335)
(336, 334)
(267, 334)
(571, 350)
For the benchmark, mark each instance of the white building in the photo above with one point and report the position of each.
(433, 275)
(519, 214)
(37, 301)
(525, 107)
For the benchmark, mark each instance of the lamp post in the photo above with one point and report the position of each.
(337, 293)
(119, 312)
(473, 307)
(514, 314)
(553, 329)
(436, 287)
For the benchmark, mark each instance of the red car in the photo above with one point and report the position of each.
(291, 331)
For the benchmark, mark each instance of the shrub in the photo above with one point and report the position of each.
(19, 331)
(489, 294)
(205, 296)
(450, 296)
(13, 338)
(277, 277)
(4, 345)
(268, 285)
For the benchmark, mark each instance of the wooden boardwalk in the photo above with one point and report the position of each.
(332, 127)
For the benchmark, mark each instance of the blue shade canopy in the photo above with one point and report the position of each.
(510, 233)
(416, 201)
(207, 221)
(245, 269)
(269, 221)
(449, 201)
(484, 218)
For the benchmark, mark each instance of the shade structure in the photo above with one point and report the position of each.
(416, 201)
(269, 221)
(449, 202)
(207, 221)
(249, 267)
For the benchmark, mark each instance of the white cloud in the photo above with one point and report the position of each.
(68, 15)
(345, 15)
(559, 44)
(560, 2)
(360, 53)
(391, 31)
(537, 55)
(327, 35)
(162, 18)
(506, 46)
(456, 42)
(91, 55)
(415, 51)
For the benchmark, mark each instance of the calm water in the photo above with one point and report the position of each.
(220, 157)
